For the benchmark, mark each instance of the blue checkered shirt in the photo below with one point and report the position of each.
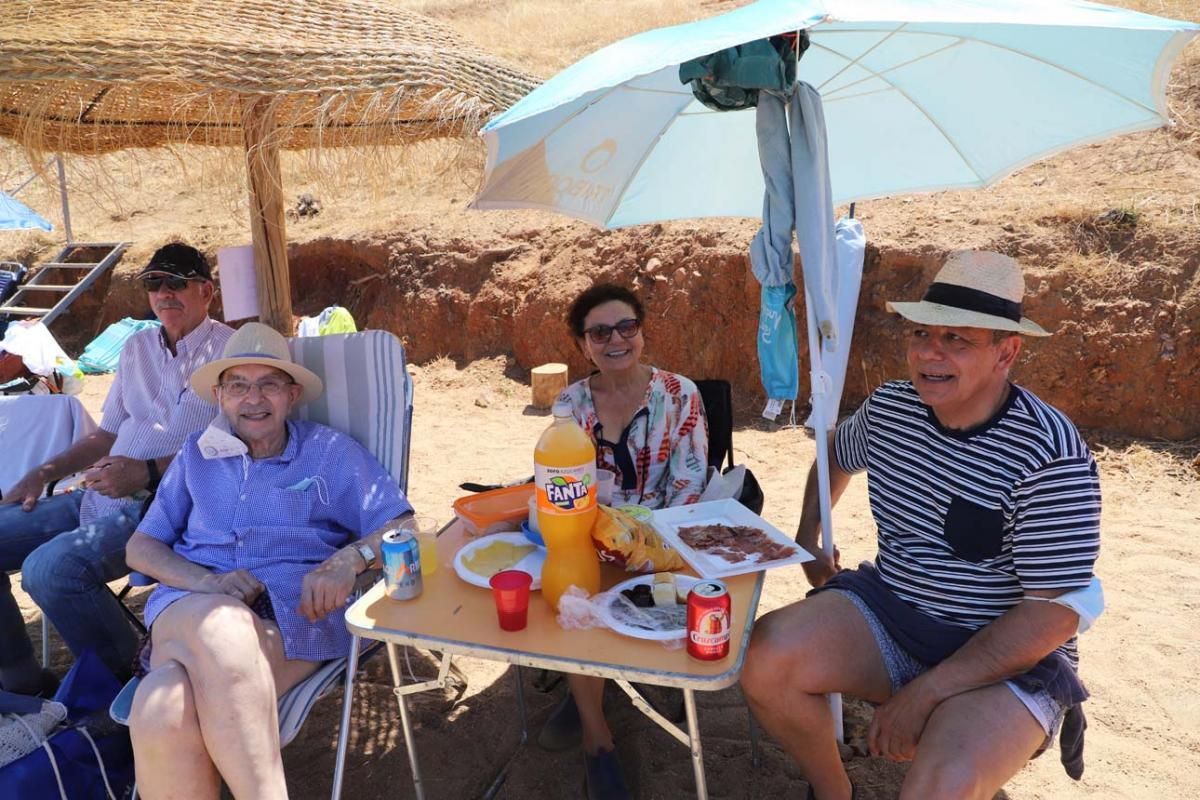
(278, 518)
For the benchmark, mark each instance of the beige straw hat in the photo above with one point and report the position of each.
(255, 343)
(974, 289)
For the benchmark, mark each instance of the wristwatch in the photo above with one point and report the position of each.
(366, 552)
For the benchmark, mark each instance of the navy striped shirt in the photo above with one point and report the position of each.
(968, 521)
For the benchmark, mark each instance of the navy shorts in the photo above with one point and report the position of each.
(903, 668)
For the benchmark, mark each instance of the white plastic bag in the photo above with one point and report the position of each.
(36, 346)
(579, 611)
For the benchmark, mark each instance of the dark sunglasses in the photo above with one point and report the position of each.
(602, 334)
(174, 283)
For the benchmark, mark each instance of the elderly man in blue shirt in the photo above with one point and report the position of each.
(258, 532)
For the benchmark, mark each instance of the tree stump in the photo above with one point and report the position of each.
(547, 383)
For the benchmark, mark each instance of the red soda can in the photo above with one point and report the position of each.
(708, 616)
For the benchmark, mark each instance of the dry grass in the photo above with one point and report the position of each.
(1139, 465)
(547, 35)
(1154, 174)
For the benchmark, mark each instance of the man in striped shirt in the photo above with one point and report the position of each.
(68, 546)
(987, 505)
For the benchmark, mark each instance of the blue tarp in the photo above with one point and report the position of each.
(15, 215)
(104, 352)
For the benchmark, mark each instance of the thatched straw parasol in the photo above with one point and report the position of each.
(93, 76)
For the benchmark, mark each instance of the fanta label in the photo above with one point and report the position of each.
(566, 488)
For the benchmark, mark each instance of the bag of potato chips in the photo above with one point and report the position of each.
(632, 543)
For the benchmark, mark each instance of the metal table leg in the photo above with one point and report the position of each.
(339, 766)
(689, 704)
(493, 789)
(521, 704)
(755, 760)
(409, 744)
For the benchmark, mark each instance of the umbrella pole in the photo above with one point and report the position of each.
(62, 191)
(822, 424)
(268, 233)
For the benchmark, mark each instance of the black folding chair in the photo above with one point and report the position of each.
(718, 408)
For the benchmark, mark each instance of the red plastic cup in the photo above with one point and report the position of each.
(510, 590)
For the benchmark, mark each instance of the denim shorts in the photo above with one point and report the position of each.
(902, 668)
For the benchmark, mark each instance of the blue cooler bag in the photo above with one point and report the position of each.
(89, 757)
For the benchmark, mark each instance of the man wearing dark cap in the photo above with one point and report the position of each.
(69, 546)
(986, 502)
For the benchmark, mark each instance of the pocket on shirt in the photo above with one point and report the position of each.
(974, 533)
(291, 508)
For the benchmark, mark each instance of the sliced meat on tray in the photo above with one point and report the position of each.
(734, 543)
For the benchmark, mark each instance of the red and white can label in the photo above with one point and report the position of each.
(712, 628)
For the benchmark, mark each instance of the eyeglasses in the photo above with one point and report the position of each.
(267, 388)
(173, 282)
(602, 334)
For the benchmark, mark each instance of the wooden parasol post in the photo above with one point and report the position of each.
(267, 230)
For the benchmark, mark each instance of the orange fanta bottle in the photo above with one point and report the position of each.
(565, 474)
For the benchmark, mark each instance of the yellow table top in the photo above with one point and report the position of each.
(453, 616)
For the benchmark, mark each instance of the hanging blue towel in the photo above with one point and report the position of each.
(777, 355)
(794, 157)
(103, 353)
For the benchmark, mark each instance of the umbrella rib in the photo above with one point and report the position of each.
(841, 97)
(918, 107)
(892, 68)
(859, 57)
(985, 43)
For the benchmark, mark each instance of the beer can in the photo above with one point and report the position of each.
(401, 565)
(708, 621)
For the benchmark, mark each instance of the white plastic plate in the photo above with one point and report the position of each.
(684, 581)
(668, 521)
(531, 563)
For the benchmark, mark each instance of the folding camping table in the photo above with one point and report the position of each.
(454, 618)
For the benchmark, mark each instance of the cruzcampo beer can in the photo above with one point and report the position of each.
(708, 614)
(401, 565)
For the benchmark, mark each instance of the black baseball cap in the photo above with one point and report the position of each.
(178, 259)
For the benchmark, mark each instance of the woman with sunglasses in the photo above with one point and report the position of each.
(649, 429)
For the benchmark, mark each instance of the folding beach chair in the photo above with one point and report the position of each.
(368, 394)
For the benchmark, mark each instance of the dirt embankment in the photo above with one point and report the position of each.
(1124, 304)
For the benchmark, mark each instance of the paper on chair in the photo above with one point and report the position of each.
(239, 284)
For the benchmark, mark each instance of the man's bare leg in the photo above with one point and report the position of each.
(972, 745)
(170, 758)
(799, 654)
(589, 699)
(237, 669)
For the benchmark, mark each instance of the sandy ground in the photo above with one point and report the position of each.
(1144, 736)
(472, 423)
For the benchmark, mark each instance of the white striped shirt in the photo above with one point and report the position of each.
(151, 407)
(970, 521)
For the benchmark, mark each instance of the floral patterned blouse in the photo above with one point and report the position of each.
(661, 458)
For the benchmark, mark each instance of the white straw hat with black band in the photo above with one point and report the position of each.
(974, 289)
(255, 343)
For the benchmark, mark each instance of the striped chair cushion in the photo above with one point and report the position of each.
(368, 393)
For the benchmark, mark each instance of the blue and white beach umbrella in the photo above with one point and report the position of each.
(919, 95)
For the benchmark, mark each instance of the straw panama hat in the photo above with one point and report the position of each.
(255, 343)
(974, 289)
